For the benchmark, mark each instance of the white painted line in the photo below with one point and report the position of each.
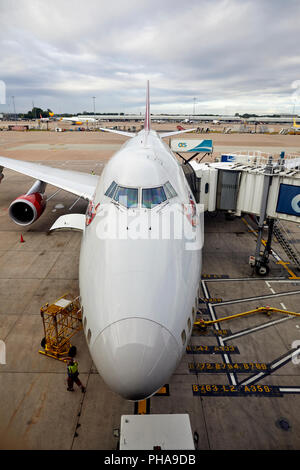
(253, 379)
(272, 290)
(256, 328)
(249, 299)
(285, 359)
(270, 279)
(220, 340)
(283, 306)
(268, 284)
(232, 379)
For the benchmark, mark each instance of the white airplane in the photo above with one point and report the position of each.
(138, 293)
(78, 119)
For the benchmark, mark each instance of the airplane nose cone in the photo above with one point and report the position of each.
(135, 357)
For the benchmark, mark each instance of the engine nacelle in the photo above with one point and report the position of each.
(27, 209)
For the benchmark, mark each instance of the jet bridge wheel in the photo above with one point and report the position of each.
(262, 270)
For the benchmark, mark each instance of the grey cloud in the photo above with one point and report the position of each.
(220, 51)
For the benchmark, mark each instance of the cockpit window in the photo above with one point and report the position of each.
(128, 197)
(169, 190)
(153, 196)
(110, 191)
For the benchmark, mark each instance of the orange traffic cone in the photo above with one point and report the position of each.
(22, 239)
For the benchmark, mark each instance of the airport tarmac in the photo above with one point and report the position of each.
(99, 146)
(240, 387)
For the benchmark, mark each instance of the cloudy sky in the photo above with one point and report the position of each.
(224, 56)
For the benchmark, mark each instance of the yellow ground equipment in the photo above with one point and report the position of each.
(61, 320)
(202, 325)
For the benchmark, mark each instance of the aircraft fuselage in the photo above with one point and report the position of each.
(138, 276)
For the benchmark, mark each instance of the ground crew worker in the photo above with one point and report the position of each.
(73, 376)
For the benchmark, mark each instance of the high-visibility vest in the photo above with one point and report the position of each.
(73, 368)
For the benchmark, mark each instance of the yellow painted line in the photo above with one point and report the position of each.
(267, 310)
(162, 391)
(142, 407)
(284, 264)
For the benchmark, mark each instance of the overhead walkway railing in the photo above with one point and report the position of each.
(257, 184)
(285, 240)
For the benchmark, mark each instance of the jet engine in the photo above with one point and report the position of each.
(27, 208)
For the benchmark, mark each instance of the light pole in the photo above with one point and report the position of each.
(194, 106)
(94, 106)
(13, 100)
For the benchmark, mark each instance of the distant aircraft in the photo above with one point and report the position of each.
(138, 293)
(78, 120)
(47, 119)
(295, 125)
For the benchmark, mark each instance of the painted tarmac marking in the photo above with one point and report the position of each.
(247, 279)
(142, 407)
(216, 390)
(210, 300)
(231, 376)
(221, 367)
(250, 299)
(287, 390)
(276, 364)
(228, 365)
(206, 333)
(203, 349)
(256, 328)
(215, 276)
(163, 391)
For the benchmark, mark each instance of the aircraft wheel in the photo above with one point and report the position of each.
(43, 343)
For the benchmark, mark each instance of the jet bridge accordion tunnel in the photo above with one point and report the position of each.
(227, 190)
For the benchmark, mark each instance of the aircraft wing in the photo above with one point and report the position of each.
(169, 134)
(115, 131)
(75, 182)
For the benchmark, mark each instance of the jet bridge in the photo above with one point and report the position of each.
(258, 184)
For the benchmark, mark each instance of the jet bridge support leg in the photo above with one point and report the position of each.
(262, 259)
